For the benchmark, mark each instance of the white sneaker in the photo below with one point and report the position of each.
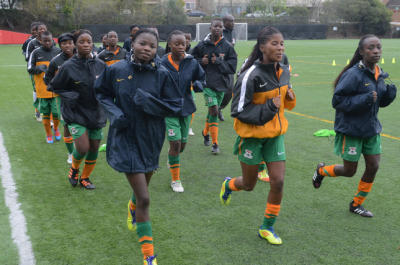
(177, 186)
(191, 131)
(38, 117)
(69, 160)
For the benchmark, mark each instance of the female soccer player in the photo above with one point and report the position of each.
(79, 107)
(137, 95)
(260, 96)
(185, 71)
(360, 91)
(66, 42)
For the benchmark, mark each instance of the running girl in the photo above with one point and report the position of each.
(80, 109)
(260, 96)
(185, 71)
(137, 95)
(360, 91)
(66, 42)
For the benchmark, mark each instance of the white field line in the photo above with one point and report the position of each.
(12, 65)
(17, 218)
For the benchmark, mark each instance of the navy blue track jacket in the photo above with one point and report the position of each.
(356, 113)
(137, 98)
(190, 72)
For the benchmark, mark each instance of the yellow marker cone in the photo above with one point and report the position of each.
(348, 61)
(334, 63)
(394, 60)
(383, 61)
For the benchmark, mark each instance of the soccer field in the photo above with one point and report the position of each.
(74, 226)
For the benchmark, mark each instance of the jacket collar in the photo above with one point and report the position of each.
(361, 66)
(153, 65)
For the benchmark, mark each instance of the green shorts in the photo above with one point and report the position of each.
(253, 151)
(178, 128)
(77, 131)
(49, 105)
(350, 148)
(213, 98)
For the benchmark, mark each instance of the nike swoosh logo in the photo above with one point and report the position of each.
(40, 57)
(77, 82)
(119, 80)
(280, 153)
(367, 84)
(263, 85)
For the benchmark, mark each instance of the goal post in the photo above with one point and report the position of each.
(239, 31)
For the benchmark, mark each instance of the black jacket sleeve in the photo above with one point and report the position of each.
(199, 78)
(32, 68)
(346, 98)
(227, 64)
(196, 52)
(243, 108)
(105, 93)
(169, 103)
(50, 73)
(61, 84)
(389, 95)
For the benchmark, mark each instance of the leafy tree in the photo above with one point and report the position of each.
(174, 12)
(372, 15)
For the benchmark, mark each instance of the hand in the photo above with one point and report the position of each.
(374, 96)
(213, 58)
(277, 101)
(290, 95)
(204, 60)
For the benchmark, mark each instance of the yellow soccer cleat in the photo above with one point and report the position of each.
(131, 220)
(151, 260)
(270, 236)
(263, 176)
(225, 194)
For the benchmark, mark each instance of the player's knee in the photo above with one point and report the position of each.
(248, 186)
(276, 184)
(143, 202)
(349, 172)
(372, 166)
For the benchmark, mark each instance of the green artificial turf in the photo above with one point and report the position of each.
(73, 226)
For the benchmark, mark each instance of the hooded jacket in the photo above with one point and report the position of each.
(356, 113)
(190, 72)
(74, 82)
(54, 65)
(136, 98)
(217, 74)
(256, 116)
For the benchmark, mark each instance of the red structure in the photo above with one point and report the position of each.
(11, 37)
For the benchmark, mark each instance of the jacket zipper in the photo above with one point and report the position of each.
(279, 117)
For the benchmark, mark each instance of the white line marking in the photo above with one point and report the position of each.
(12, 65)
(17, 218)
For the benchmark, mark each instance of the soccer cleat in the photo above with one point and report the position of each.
(177, 186)
(69, 160)
(49, 139)
(207, 141)
(73, 176)
(263, 176)
(215, 149)
(150, 260)
(191, 131)
(269, 235)
(360, 210)
(225, 194)
(38, 117)
(57, 134)
(87, 184)
(131, 220)
(317, 178)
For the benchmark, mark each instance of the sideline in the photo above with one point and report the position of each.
(17, 218)
(331, 122)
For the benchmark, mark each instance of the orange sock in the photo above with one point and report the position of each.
(76, 159)
(46, 124)
(206, 128)
(214, 132)
(88, 168)
(175, 172)
(68, 140)
(191, 120)
(327, 171)
(363, 189)
(232, 186)
(270, 215)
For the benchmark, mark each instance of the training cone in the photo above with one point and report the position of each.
(348, 62)
(383, 61)
(394, 60)
(334, 63)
